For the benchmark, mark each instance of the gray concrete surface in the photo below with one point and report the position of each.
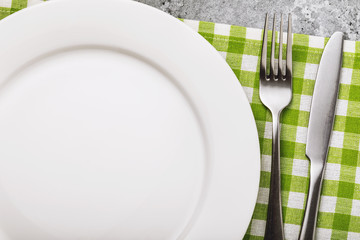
(315, 17)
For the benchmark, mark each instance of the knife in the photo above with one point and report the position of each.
(321, 121)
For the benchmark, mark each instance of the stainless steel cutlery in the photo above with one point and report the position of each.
(276, 93)
(320, 125)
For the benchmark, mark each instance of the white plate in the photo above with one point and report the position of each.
(119, 122)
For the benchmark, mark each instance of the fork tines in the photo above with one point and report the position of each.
(281, 73)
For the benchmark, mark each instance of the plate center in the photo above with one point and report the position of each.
(97, 143)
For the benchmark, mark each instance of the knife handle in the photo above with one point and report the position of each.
(312, 205)
(274, 223)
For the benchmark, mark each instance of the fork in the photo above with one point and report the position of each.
(275, 93)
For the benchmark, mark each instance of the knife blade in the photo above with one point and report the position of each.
(321, 121)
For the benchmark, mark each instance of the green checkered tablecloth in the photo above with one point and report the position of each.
(339, 216)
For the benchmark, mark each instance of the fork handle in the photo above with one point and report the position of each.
(311, 211)
(274, 224)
